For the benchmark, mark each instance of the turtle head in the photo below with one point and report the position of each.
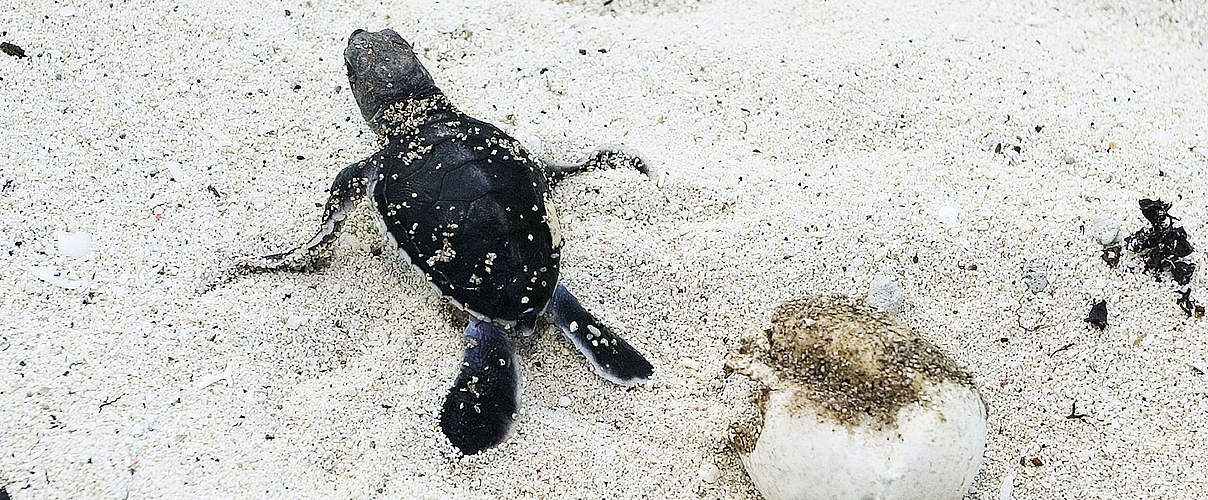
(382, 70)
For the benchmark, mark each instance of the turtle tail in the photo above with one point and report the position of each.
(481, 406)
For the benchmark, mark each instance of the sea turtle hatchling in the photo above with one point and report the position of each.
(468, 207)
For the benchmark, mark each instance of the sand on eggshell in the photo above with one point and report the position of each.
(849, 361)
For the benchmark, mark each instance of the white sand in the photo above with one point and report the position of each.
(808, 149)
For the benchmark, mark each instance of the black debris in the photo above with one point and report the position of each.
(1111, 255)
(1182, 271)
(582, 52)
(1060, 349)
(1098, 315)
(12, 50)
(109, 402)
(1163, 245)
(1164, 248)
(1155, 211)
(1074, 415)
(1186, 303)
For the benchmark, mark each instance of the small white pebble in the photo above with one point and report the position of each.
(74, 244)
(885, 295)
(709, 473)
(948, 215)
(564, 401)
(1107, 231)
(1006, 490)
(295, 321)
(1036, 277)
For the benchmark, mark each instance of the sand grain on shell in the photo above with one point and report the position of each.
(807, 148)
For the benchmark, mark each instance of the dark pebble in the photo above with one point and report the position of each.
(1098, 315)
(12, 50)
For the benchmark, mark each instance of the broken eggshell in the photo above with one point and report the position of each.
(852, 404)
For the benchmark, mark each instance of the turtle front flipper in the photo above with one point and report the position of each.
(605, 157)
(609, 354)
(481, 406)
(347, 189)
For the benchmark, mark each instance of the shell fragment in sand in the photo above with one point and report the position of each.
(54, 277)
(75, 244)
(208, 380)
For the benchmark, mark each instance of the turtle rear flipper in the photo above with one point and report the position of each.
(481, 406)
(609, 354)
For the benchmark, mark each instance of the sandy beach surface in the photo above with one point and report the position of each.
(805, 148)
